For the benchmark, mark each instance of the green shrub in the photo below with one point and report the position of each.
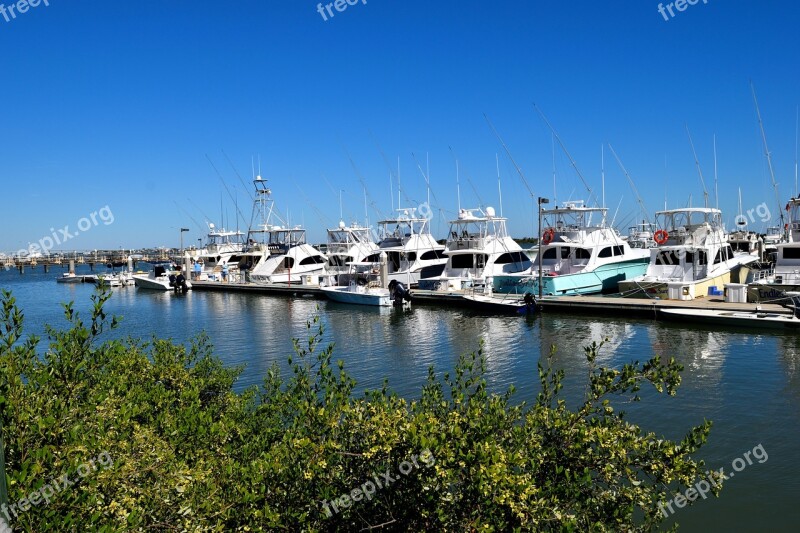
(186, 452)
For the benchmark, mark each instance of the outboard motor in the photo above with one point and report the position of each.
(530, 301)
(398, 292)
(180, 283)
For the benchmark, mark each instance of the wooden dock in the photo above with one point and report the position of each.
(583, 305)
(644, 307)
(295, 289)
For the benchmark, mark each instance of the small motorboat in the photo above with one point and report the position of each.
(363, 292)
(502, 304)
(69, 277)
(754, 319)
(163, 277)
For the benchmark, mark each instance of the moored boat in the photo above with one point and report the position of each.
(693, 255)
(478, 249)
(580, 255)
(751, 319)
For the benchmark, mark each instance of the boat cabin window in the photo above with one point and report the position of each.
(619, 250)
(312, 260)
(582, 253)
(462, 261)
(288, 262)
(432, 254)
(411, 256)
(668, 257)
(480, 260)
(723, 254)
(791, 252)
(512, 257)
(374, 258)
(550, 253)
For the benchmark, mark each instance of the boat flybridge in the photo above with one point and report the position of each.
(478, 249)
(348, 245)
(412, 252)
(580, 254)
(221, 246)
(277, 253)
(693, 254)
(786, 273)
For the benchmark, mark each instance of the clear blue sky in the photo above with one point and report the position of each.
(118, 103)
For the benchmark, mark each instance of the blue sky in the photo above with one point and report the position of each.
(118, 104)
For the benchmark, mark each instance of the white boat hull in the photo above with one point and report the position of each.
(156, 284)
(753, 319)
(374, 297)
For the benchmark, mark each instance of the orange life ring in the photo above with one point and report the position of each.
(661, 236)
(548, 235)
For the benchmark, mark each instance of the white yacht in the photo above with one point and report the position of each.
(221, 246)
(772, 238)
(348, 245)
(478, 249)
(785, 276)
(290, 260)
(412, 252)
(278, 253)
(693, 255)
(580, 255)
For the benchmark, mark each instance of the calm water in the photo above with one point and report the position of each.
(747, 383)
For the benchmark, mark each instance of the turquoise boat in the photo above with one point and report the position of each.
(580, 255)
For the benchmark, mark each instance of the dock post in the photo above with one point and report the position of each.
(384, 270)
(21, 268)
(71, 266)
(46, 267)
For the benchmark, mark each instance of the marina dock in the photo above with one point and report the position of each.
(582, 305)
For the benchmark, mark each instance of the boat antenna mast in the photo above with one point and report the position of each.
(699, 170)
(633, 185)
(716, 187)
(499, 189)
(767, 153)
(564, 148)
(796, 121)
(516, 166)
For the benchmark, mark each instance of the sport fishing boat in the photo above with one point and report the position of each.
(580, 255)
(478, 249)
(290, 260)
(412, 252)
(785, 276)
(221, 246)
(279, 253)
(692, 256)
(348, 245)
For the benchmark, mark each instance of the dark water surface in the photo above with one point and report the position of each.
(747, 382)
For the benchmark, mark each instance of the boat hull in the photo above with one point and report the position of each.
(499, 305)
(660, 289)
(605, 278)
(770, 292)
(375, 297)
(70, 279)
(732, 318)
(155, 284)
